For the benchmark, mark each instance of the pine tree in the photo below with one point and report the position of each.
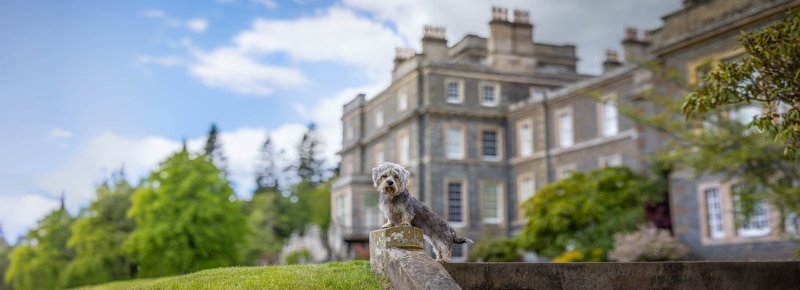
(309, 165)
(267, 174)
(213, 150)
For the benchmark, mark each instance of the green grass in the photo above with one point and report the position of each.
(339, 275)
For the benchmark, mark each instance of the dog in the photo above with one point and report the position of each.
(400, 208)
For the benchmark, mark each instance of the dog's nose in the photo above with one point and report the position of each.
(389, 182)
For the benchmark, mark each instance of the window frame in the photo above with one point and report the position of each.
(459, 92)
(560, 128)
(525, 139)
(464, 206)
(496, 93)
(500, 193)
(462, 141)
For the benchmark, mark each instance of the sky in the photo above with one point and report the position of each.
(90, 86)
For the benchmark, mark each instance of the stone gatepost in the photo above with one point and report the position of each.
(397, 254)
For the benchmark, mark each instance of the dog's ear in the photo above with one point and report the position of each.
(375, 172)
(406, 173)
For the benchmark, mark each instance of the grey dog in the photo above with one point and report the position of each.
(400, 208)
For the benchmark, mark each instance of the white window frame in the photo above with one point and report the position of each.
(714, 210)
(495, 87)
(497, 144)
(498, 186)
(459, 91)
(379, 118)
(760, 215)
(792, 224)
(453, 142)
(405, 148)
(609, 117)
(566, 128)
(525, 138)
(373, 218)
(610, 160)
(537, 94)
(462, 203)
(459, 256)
(402, 100)
(527, 188)
(349, 132)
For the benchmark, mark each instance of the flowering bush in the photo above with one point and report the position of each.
(647, 244)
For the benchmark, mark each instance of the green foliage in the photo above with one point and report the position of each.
(187, 219)
(588, 255)
(38, 259)
(302, 256)
(309, 165)
(5, 250)
(585, 210)
(495, 250)
(647, 244)
(768, 74)
(263, 215)
(98, 234)
(347, 275)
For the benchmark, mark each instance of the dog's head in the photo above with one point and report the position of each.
(390, 178)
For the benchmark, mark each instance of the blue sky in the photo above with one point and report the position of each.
(87, 86)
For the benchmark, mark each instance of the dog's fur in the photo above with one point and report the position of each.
(400, 208)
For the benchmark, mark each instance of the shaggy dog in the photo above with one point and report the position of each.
(400, 208)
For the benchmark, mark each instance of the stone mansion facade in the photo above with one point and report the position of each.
(484, 123)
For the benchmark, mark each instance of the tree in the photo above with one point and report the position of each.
(768, 74)
(187, 219)
(5, 249)
(98, 234)
(267, 173)
(213, 150)
(309, 165)
(38, 259)
(583, 211)
(264, 216)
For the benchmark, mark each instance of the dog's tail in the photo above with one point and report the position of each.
(458, 240)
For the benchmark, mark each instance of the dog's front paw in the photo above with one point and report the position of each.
(387, 225)
(405, 224)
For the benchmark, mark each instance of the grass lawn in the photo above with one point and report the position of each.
(339, 275)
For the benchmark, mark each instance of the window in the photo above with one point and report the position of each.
(454, 91)
(349, 132)
(526, 189)
(372, 215)
(405, 145)
(379, 157)
(490, 95)
(402, 101)
(565, 135)
(455, 143)
(347, 168)
(492, 203)
(378, 118)
(340, 209)
(564, 171)
(459, 253)
(610, 125)
(537, 94)
(714, 211)
(455, 202)
(758, 225)
(611, 160)
(489, 148)
(526, 140)
(792, 224)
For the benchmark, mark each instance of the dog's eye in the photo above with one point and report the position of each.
(396, 176)
(383, 176)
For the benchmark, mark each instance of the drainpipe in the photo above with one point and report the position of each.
(420, 131)
(547, 142)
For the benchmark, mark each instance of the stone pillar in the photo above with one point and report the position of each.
(397, 254)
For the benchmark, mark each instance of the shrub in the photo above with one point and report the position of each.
(647, 244)
(299, 257)
(495, 250)
(594, 255)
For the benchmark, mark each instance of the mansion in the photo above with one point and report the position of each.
(483, 123)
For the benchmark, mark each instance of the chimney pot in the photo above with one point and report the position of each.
(631, 33)
(499, 13)
(521, 16)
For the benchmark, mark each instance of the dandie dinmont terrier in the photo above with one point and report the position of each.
(400, 208)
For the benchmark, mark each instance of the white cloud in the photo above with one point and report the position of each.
(59, 133)
(338, 35)
(20, 212)
(197, 24)
(241, 73)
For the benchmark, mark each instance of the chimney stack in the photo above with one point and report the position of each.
(510, 44)
(434, 44)
(635, 49)
(612, 61)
